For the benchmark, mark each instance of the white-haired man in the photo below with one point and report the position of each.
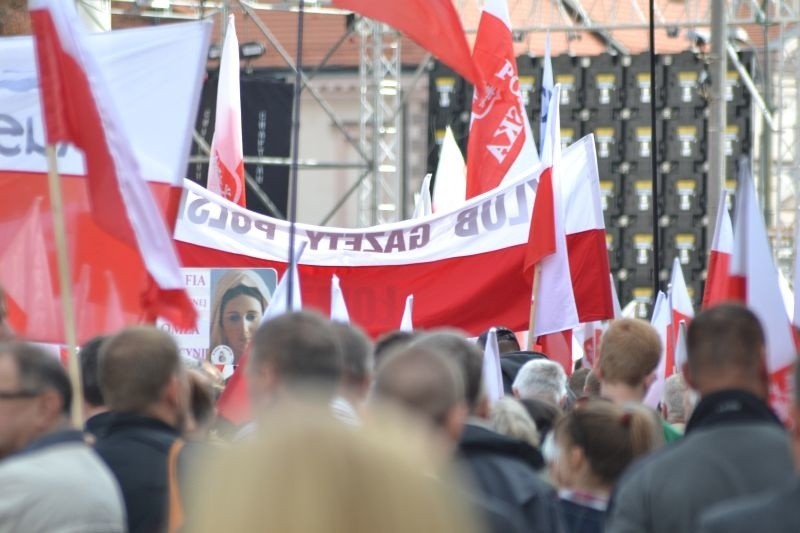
(542, 379)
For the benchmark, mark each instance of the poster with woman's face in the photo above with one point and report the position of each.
(230, 303)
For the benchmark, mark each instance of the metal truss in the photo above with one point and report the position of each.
(380, 126)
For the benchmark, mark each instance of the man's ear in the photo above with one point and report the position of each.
(515, 392)
(49, 406)
(650, 379)
(454, 423)
(687, 376)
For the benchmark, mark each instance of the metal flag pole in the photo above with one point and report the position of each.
(298, 87)
(653, 150)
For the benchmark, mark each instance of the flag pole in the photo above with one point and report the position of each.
(653, 151)
(298, 87)
(65, 282)
(537, 276)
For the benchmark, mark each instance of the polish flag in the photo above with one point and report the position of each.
(661, 319)
(500, 141)
(432, 24)
(681, 311)
(567, 235)
(226, 165)
(719, 257)
(796, 311)
(753, 269)
(78, 108)
(681, 350)
(450, 183)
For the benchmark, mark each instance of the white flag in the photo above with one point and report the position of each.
(338, 306)
(277, 306)
(406, 324)
(450, 185)
(423, 206)
(492, 374)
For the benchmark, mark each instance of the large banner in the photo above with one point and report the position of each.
(464, 268)
(154, 75)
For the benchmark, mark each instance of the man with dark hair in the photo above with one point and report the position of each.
(506, 340)
(501, 467)
(735, 446)
(295, 356)
(145, 387)
(359, 362)
(426, 384)
(388, 343)
(50, 480)
(776, 512)
(95, 411)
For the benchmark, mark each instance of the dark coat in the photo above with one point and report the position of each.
(511, 362)
(136, 449)
(776, 512)
(734, 447)
(505, 469)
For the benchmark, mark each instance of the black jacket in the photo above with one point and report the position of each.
(505, 469)
(136, 449)
(511, 362)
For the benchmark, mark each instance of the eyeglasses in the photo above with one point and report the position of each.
(15, 395)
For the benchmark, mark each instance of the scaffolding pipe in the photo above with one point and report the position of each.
(717, 118)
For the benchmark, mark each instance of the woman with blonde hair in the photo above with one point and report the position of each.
(309, 473)
(592, 446)
(240, 299)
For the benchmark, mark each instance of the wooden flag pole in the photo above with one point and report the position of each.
(537, 276)
(65, 283)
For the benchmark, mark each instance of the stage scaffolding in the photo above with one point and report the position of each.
(383, 187)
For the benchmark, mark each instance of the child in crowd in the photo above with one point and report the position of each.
(592, 445)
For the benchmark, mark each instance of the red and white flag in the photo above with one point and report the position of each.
(226, 164)
(681, 310)
(719, 256)
(78, 108)
(501, 145)
(432, 24)
(755, 276)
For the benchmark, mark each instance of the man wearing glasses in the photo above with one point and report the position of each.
(50, 480)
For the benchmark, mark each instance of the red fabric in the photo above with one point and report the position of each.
(104, 269)
(71, 115)
(497, 132)
(588, 268)
(558, 347)
(432, 24)
(717, 280)
(234, 402)
(542, 235)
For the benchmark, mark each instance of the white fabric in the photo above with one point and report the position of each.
(547, 92)
(450, 185)
(406, 322)
(723, 230)
(498, 8)
(661, 319)
(492, 374)
(752, 258)
(154, 79)
(278, 304)
(615, 298)
(423, 206)
(339, 311)
(555, 304)
(681, 352)
(226, 145)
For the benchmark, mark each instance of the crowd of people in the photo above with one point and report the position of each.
(347, 435)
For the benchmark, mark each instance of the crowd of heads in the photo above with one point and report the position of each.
(397, 435)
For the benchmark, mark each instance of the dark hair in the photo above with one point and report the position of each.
(239, 290)
(504, 335)
(466, 355)
(357, 352)
(303, 350)
(578, 380)
(726, 336)
(610, 436)
(135, 366)
(422, 380)
(545, 414)
(592, 385)
(389, 342)
(201, 397)
(89, 355)
(39, 371)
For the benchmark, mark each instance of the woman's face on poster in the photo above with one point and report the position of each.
(240, 319)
